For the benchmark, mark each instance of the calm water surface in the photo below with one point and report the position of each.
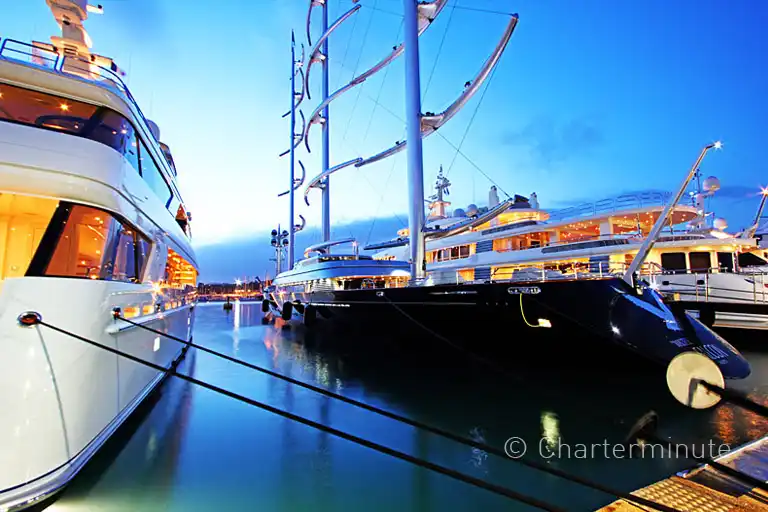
(194, 450)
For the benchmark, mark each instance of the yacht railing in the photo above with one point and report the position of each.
(52, 60)
(611, 205)
(700, 289)
(12, 49)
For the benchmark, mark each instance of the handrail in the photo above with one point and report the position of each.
(610, 205)
(320, 248)
(4, 47)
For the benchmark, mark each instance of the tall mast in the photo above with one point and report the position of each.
(413, 139)
(291, 220)
(326, 152)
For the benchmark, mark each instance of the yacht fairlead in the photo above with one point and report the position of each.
(91, 219)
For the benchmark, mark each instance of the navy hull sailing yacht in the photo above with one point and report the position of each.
(494, 319)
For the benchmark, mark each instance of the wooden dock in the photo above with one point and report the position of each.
(705, 489)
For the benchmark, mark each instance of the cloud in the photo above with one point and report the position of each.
(550, 142)
(239, 258)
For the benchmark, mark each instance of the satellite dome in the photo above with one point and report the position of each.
(720, 224)
(458, 212)
(711, 184)
(472, 210)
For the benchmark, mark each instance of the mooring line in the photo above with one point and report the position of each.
(34, 319)
(413, 423)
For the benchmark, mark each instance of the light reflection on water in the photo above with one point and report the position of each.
(196, 450)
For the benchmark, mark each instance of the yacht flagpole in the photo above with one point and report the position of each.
(326, 151)
(413, 139)
(291, 213)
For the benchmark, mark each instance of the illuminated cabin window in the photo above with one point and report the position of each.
(449, 253)
(179, 273)
(96, 123)
(88, 243)
(23, 220)
(466, 275)
(99, 124)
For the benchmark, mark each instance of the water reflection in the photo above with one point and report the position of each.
(196, 450)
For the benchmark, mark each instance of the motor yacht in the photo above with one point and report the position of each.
(91, 219)
(718, 277)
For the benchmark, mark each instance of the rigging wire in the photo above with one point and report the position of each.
(402, 419)
(346, 49)
(439, 52)
(381, 201)
(354, 71)
(172, 370)
(381, 89)
(469, 160)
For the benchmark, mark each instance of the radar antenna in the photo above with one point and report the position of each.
(74, 43)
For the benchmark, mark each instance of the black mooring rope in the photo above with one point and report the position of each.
(35, 319)
(413, 423)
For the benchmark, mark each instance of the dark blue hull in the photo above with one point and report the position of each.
(599, 319)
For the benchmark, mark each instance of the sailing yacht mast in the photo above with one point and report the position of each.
(291, 229)
(413, 139)
(326, 151)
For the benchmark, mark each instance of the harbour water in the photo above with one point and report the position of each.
(191, 449)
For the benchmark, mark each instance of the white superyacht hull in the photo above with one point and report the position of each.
(68, 397)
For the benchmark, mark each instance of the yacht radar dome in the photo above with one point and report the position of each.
(472, 210)
(720, 224)
(711, 185)
(459, 212)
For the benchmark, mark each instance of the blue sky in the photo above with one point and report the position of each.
(590, 99)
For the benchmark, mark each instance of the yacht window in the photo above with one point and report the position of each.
(747, 259)
(88, 243)
(725, 260)
(153, 176)
(700, 261)
(179, 273)
(99, 124)
(23, 220)
(673, 261)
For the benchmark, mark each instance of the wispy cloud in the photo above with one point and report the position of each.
(551, 142)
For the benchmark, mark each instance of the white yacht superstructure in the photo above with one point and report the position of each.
(90, 219)
(690, 262)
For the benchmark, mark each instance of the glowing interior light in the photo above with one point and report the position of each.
(615, 330)
(157, 344)
(64, 107)
(543, 322)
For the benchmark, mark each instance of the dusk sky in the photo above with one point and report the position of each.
(590, 99)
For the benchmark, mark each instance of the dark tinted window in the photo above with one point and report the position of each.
(673, 261)
(747, 259)
(52, 112)
(725, 260)
(700, 260)
(114, 131)
(152, 175)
